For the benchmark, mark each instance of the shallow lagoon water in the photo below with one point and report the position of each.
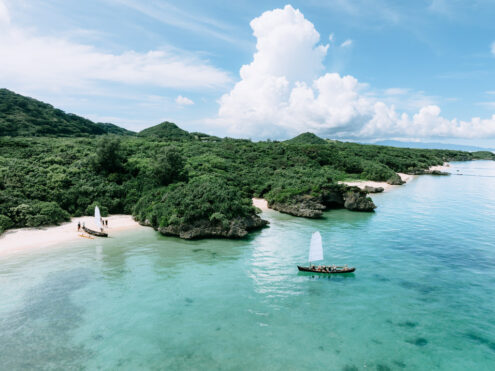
(422, 298)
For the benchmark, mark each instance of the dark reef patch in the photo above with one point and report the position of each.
(419, 287)
(420, 342)
(37, 336)
(481, 340)
(408, 324)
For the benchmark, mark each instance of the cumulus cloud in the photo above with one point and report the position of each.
(30, 61)
(183, 101)
(283, 92)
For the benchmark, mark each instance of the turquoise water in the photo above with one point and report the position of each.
(422, 298)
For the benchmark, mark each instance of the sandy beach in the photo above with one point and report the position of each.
(260, 203)
(387, 187)
(18, 240)
(444, 167)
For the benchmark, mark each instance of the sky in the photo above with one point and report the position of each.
(361, 70)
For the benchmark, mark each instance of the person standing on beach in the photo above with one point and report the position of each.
(78, 226)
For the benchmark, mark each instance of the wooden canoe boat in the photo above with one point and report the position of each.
(95, 233)
(327, 270)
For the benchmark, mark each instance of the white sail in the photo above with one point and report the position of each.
(98, 218)
(316, 248)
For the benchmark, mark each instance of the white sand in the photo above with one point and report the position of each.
(18, 240)
(260, 203)
(387, 187)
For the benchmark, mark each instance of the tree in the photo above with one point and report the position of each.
(169, 166)
(109, 157)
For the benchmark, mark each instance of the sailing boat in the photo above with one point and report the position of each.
(316, 254)
(100, 232)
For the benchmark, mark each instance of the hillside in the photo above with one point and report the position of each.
(306, 138)
(166, 130)
(24, 116)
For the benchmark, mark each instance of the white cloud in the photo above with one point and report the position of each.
(396, 91)
(490, 105)
(493, 48)
(346, 43)
(281, 93)
(331, 37)
(31, 62)
(4, 14)
(171, 15)
(183, 101)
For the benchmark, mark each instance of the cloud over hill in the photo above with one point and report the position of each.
(285, 91)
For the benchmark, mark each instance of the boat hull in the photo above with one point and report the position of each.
(337, 270)
(95, 233)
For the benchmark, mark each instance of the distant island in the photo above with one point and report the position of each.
(432, 145)
(55, 165)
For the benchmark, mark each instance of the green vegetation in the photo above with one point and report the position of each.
(166, 130)
(23, 116)
(203, 198)
(306, 138)
(166, 176)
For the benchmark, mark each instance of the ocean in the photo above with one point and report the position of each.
(422, 297)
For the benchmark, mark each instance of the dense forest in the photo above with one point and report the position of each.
(181, 183)
(23, 116)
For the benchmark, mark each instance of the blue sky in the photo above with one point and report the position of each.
(138, 63)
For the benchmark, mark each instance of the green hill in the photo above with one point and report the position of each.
(306, 138)
(166, 130)
(24, 116)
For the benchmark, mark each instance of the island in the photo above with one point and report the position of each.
(54, 166)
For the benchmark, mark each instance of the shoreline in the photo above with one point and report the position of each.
(260, 203)
(24, 239)
(387, 187)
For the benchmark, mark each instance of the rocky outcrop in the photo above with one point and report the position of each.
(395, 180)
(145, 223)
(427, 172)
(436, 172)
(236, 228)
(358, 201)
(370, 189)
(305, 206)
(334, 197)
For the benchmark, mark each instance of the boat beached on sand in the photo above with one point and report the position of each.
(100, 233)
(316, 254)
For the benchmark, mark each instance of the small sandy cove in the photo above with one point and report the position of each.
(387, 187)
(260, 203)
(18, 240)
